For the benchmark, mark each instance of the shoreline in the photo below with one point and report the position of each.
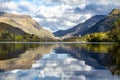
(60, 42)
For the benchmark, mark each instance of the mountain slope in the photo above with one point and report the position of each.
(80, 28)
(25, 23)
(105, 24)
(8, 28)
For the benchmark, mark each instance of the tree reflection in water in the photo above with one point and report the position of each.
(115, 66)
(64, 61)
(107, 55)
(111, 58)
(17, 56)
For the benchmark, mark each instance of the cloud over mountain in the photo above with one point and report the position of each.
(59, 14)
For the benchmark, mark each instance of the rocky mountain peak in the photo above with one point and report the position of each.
(115, 12)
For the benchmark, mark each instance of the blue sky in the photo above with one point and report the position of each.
(59, 14)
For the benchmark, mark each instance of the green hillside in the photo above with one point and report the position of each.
(10, 33)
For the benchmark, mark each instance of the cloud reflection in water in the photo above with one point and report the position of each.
(59, 67)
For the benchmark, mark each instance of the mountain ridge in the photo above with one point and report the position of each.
(79, 29)
(25, 23)
(103, 24)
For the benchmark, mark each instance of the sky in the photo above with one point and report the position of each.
(59, 14)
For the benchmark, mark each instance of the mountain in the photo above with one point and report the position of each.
(98, 23)
(80, 28)
(23, 24)
(6, 27)
(105, 24)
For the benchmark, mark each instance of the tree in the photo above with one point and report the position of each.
(18, 38)
(97, 37)
(115, 33)
(6, 36)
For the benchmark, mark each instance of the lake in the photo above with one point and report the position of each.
(59, 61)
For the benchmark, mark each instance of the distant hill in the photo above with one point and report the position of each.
(105, 24)
(80, 28)
(22, 24)
(98, 23)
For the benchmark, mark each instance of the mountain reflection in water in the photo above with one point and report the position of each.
(59, 62)
(21, 56)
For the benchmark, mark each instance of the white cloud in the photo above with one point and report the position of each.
(87, 16)
(74, 17)
(11, 6)
(52, 20)
(15, 12)
(52, 11)
(49, 12)
(76, 2)
(37, 19)
(54, 14)
(69, 23)
(31, 7)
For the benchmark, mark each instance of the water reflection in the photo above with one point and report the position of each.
(63, 62)
(98, 56)
(17, 56)
(114, 66)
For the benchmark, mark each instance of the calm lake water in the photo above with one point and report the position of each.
(22, 61)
